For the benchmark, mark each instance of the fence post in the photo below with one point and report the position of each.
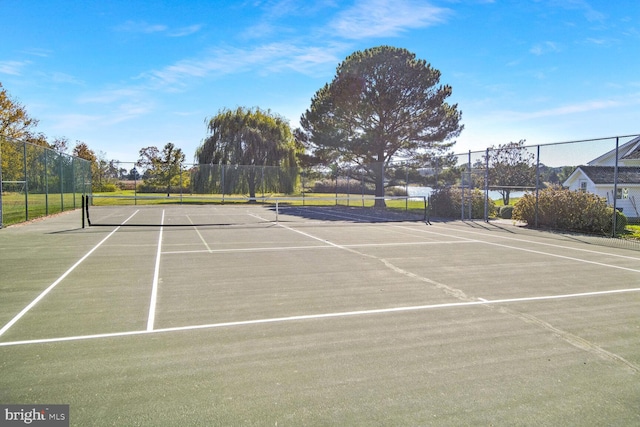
(486, 186)
(222, 181)
(61, 183)
(1, 219)
(46, 183)
(537, 186)
(26, 181)
(615, 191)
(406, 188)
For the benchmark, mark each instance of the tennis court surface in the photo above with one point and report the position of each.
(227, 315)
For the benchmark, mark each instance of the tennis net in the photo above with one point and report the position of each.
(181, 210)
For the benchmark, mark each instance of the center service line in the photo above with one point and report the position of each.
(60, 279)
(156, 275)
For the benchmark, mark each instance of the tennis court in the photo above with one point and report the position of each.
(229, 315)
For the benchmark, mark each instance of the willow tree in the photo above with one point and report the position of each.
(248, 137)
(382, 103)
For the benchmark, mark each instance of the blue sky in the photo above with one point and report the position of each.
(121, 75)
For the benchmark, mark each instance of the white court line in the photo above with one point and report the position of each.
(289, 248)
(60, 279)
(156, 277)
(540, 243)
(319, 316)
(200, 235)
(634, 270)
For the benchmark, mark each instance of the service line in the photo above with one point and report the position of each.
(478, 302)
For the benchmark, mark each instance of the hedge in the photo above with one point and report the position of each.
(563, 209)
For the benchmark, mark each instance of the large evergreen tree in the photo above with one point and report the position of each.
(382, 103)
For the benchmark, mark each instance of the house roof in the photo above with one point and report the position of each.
(606, 174)
(627, 151)
(633, 154)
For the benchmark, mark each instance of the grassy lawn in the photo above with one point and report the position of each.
(128, 197)
(633, 232)
(16, 209)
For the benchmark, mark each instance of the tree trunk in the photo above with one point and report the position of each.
(506, 196)
(379, 177)
(252, 184)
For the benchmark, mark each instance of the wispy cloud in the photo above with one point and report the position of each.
(57, 77)
(273, 57)
(142, 27)
(575, 108)
(544, 48)
(185, 31)
(109, 96)
(13, 68)
(379, 18)
(589, 12)
(42, 53)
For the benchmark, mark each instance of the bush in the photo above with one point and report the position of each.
(564, 209)
(447, 203)
(343, 186)
(506, 212)
(104, 188)
(621, 222)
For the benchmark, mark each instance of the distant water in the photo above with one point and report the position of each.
(426, 191)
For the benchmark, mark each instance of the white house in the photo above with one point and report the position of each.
(598, 177)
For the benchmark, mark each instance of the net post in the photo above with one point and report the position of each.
(82, 209)
(426, 218)
(86, 207)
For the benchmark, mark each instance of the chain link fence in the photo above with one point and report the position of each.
(498, 177)
(36, 181)
(478, 185)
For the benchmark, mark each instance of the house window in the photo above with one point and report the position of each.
(619, 194)
(583, 186)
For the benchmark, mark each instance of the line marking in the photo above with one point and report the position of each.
(288, 248)
(537, 243)
(321, 316)
(206, 245)
(544, 253)
(156, 276)
(60, 279)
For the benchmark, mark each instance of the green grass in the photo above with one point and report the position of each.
(15, 209)
(126, 197)
(632, 232)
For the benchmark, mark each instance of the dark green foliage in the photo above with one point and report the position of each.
(506, 212)
(564, 209)
(447, 203)
(382, 103)
(621, 222)
(254, 149)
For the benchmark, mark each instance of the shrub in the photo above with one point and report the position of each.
(104, 188)
(447, 203)
(506, 212)
(564, 209)
(343, 186)
(621, 222)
